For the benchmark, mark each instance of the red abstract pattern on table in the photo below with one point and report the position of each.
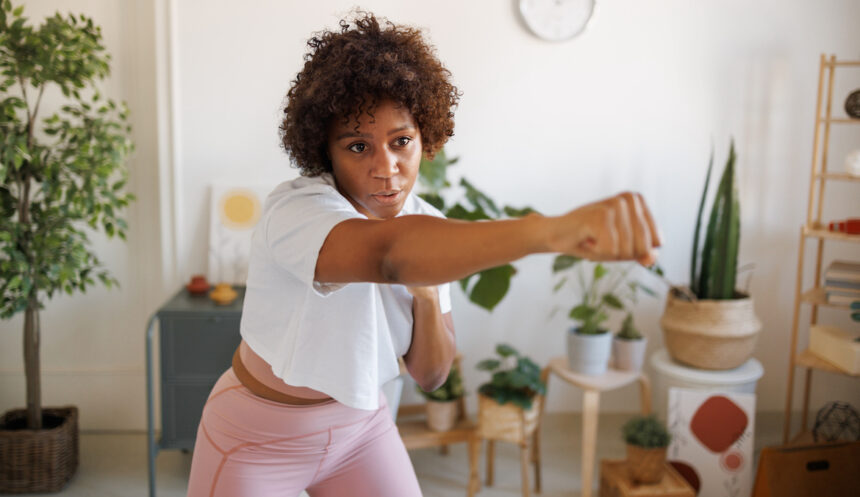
(198, 285)
(718, 423)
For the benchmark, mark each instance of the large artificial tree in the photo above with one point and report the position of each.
(60, 175)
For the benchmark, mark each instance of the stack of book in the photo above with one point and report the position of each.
(842, 282)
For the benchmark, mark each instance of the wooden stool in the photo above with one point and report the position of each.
(615, 482)
(510, 423)
(416, 435)
(592, 386)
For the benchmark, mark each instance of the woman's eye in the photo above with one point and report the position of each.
(403, 141)
(358, 147)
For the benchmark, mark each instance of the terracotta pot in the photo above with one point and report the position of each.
(588, 354)
(441, 415)
(646, 465)
(628, 355)
(710, 334)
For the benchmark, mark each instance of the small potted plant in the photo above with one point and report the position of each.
(647, 440)
(628, 346)
(442, 403)
(590, 343)
(509, 404)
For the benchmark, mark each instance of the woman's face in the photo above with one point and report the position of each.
(375, 166)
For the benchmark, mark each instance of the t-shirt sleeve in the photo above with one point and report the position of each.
(297, 226)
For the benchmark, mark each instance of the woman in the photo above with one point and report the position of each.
(349, 271)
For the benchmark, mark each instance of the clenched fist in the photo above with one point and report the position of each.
(617, 228)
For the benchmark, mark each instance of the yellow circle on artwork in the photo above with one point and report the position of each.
(240, 209)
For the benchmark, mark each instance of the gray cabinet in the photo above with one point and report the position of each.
(197, 339)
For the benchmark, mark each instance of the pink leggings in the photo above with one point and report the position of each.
(248, 446)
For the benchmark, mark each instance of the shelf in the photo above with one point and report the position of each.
(807, 359)
(830, 235)
(839, 176)
(839, 120)
(855, 63)
(818, 296)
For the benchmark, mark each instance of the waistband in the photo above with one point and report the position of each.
(259, 389)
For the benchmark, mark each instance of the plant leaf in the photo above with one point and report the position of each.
(562, 262)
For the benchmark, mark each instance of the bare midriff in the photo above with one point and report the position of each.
(262, 372)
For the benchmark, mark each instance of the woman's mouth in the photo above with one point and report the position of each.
(387, 197)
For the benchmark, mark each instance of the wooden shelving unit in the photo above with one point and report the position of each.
(815, 229)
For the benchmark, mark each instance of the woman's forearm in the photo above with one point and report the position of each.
(433, 345)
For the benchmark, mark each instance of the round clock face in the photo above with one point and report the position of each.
(556, 20)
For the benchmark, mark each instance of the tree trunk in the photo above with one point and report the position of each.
(31, 365)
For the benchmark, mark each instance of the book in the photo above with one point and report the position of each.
(843, 270)
(837, 285)
(835, 298)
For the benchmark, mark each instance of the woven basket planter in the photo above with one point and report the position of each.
(710, 334)
(35, 461)
(441, 415)
(646, 465)
(508, 422)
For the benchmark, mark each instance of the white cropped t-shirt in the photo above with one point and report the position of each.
(340, 339)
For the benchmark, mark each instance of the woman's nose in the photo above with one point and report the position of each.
(385, 164)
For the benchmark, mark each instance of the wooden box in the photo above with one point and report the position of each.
(615, 482)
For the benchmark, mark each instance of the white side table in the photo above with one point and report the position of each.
(591, 387)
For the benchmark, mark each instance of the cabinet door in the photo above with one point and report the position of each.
(195, 351)
(182, 407)
(197, 347)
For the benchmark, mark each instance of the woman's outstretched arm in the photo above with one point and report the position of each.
(424, 250)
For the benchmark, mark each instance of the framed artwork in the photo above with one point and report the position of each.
(235, 211)
(712, 440)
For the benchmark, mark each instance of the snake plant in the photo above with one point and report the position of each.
(714, 276)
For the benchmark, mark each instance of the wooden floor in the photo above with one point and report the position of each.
(114, 464)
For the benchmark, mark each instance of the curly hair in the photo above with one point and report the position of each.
(347, 72)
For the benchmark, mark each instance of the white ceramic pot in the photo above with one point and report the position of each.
(628, 355)
(588, 354)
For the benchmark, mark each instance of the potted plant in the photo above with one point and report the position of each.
(712, 325)
(590, 343)
(509, 404)
(628, 346)
(647, 440)
(56, 173)
(442, 403)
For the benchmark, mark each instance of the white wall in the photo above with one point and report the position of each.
(633, 103)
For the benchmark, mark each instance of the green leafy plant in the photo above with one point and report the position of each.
(452, 389)
(486, 288)
(56, 173)
(628, 329)
(646, 432)
(607, 289)
(713, 276)
(515, 378)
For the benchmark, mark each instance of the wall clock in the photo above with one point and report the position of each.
(556, 20)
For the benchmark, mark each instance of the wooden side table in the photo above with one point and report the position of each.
(416, 435)
(592, 386)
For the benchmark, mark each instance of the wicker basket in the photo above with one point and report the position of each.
(646, 465)
(38, 460)
(710, 334)
(441, 415)
(508, 422)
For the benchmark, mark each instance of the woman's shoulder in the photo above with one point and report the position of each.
(313, 188)
(417, 205)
